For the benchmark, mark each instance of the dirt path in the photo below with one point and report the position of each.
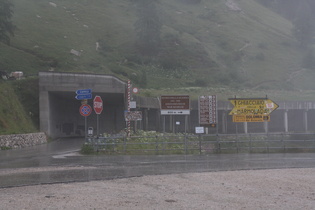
(261, 189)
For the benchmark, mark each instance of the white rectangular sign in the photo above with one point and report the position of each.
(133, 104)
(199, 130)
(175, 112)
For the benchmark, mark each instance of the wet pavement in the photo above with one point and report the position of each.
(60, 161)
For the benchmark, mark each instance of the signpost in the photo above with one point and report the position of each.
(128, 108)
(135, 90)
(199, 130)
(98, 105)
(98, 108)
(208, 110)
(251, 118)
(83, 91)
(82, 97)
(175, 105)
(133, 115)
(133, 104)
(258, 106)
(85, 109)
(252, 109)
(83, 94)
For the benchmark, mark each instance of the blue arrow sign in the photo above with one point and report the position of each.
(84, 91)
(85, 96)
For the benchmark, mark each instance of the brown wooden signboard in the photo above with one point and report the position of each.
(175, 104)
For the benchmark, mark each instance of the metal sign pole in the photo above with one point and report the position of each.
(129, 98)
(163, 123)
(85, 123)
(216, 114)
(186, 123)
(98, 108)
(98, 125)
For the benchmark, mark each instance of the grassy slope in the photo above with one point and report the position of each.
(209, 38)
(207, 32)
(226, 32)
(13, 117)
(52, 32)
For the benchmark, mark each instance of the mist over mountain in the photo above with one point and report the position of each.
(168, 43)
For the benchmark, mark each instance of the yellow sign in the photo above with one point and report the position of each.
(251, 118)
(253, 106)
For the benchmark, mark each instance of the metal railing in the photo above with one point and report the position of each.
(205, 144)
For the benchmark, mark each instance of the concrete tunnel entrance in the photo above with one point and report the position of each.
(59, 109)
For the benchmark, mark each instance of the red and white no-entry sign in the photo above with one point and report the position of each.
(98, 104)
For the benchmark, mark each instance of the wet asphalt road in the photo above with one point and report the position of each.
(59, 161)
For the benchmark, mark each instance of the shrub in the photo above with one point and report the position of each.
(87, 149)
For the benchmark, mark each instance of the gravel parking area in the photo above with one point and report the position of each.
(258, 189)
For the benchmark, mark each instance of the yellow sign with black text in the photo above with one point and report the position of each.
(251, 118)
(256, 107)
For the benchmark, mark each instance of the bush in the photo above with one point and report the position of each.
(87, 149)
(5, 148)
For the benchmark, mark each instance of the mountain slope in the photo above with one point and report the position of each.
(13, 116)
(231, 43)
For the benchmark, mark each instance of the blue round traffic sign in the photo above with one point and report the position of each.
(85, 110)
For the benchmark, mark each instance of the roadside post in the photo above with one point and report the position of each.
(98, 108)
(85, 109)
(207, 107)
(83, 94)
(128, 106)
(252, 110)
(175, 105)
(131, 115)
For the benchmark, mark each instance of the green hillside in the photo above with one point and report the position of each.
(14, 118)
(230, 48)
(203, 44)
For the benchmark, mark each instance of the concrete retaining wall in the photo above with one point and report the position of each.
(16, 141)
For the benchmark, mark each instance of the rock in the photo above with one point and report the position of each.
(52, 4)
(22, 140)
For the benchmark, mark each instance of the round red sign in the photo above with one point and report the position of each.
(85, 110)
(98, 104)
(135, 90)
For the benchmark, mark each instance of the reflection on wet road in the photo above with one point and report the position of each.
(60, 161)
(40, 155)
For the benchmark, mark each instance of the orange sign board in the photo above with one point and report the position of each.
(251, 118)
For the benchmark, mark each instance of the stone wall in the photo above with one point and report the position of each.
(16, 141)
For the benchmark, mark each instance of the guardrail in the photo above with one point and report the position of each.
(205, 144)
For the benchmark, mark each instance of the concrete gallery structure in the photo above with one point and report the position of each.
(59, 109)
(60, 117)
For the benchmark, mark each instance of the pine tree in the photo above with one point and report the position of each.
(6, 26)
